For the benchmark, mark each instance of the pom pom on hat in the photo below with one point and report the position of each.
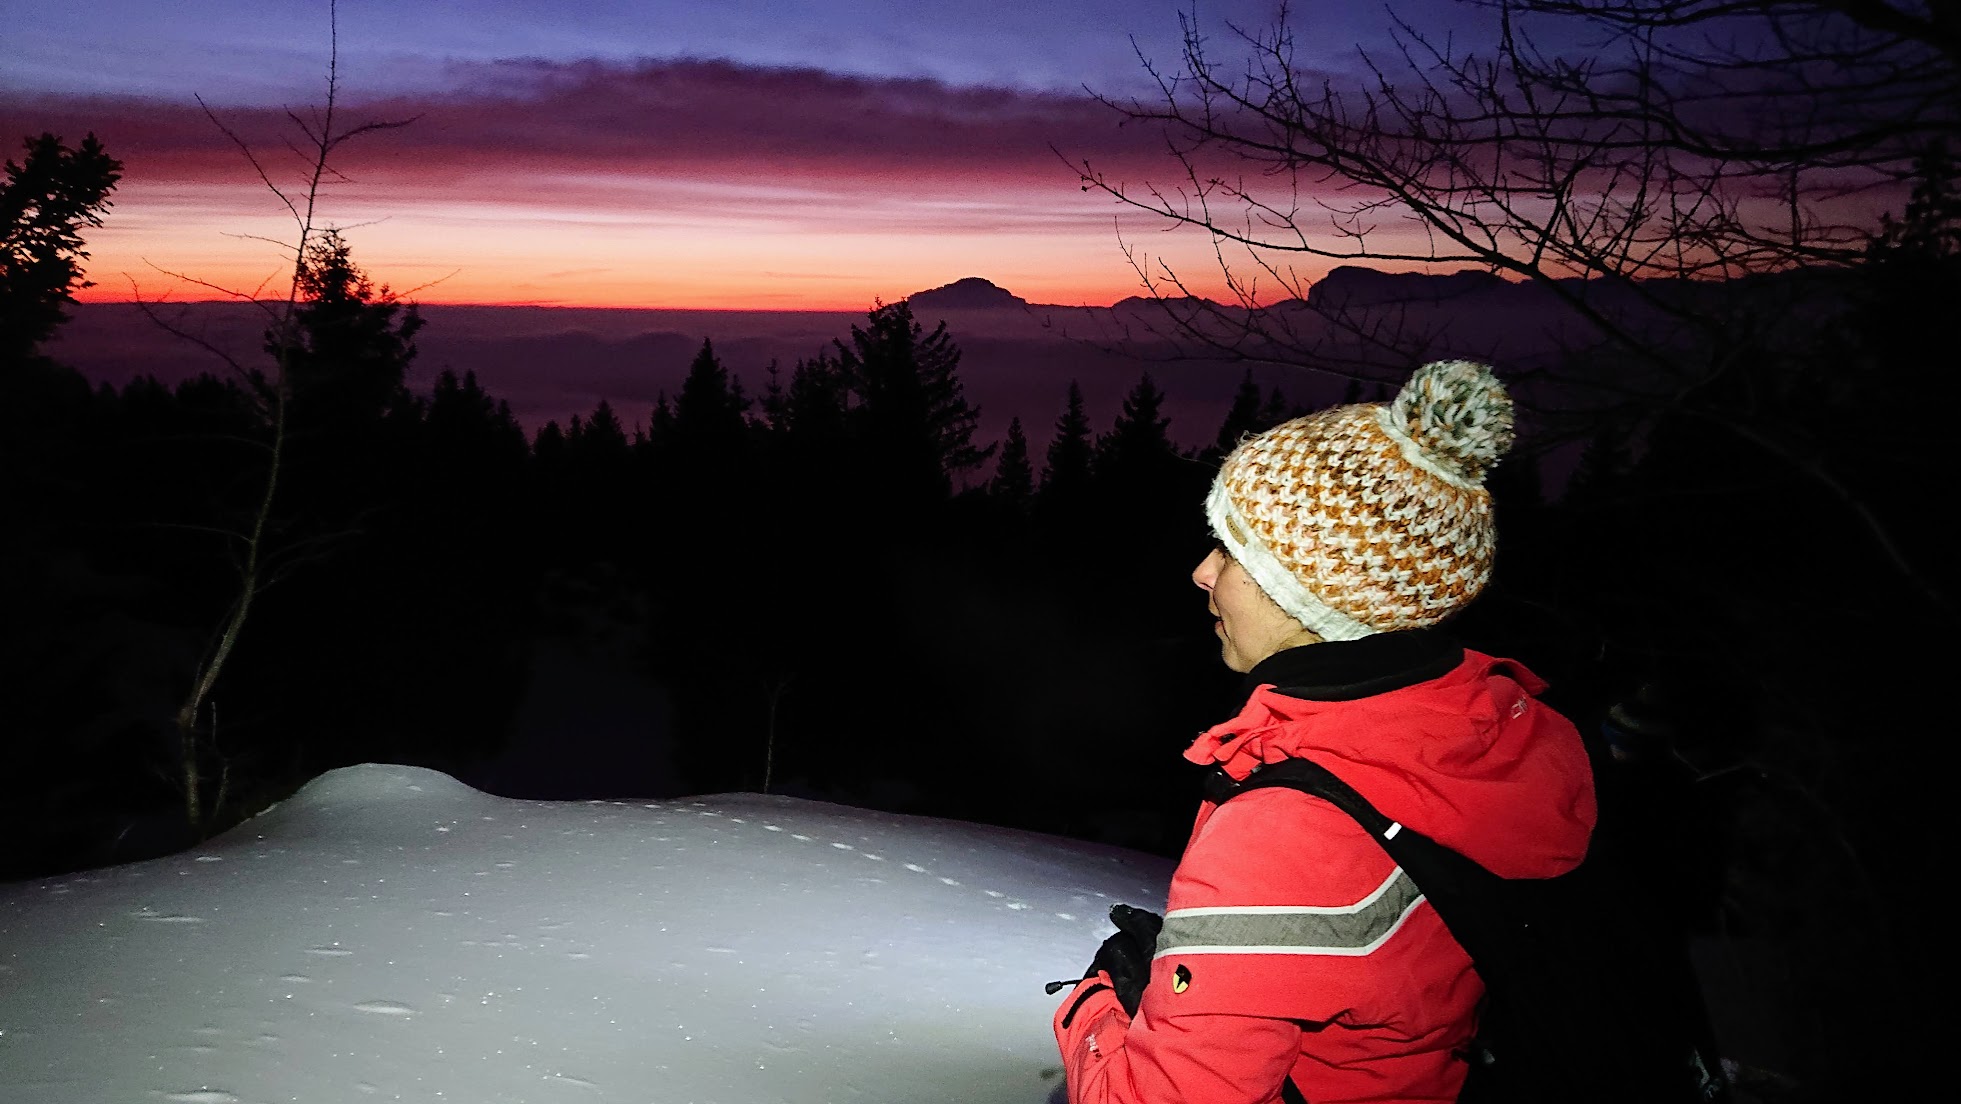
(1369, 518)
(1458, 414)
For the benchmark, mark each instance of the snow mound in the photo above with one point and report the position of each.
(391, 933)
(380, 782)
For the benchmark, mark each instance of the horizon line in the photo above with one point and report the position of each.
(88, 300)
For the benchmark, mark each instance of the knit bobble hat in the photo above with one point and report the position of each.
(1367, 518)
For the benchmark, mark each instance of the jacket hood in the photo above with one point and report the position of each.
(1470, 758)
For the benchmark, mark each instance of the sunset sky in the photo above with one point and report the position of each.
(773, 154)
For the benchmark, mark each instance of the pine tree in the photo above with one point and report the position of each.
(910, 411)
(660, 424)
(1066, 475)
(1602, 468)
(814, 406)
(1242, 418)
(708, 414)
(349, 344)
(603, 443)
(45, 202)
(1014, 478)
(1276, 410)
(462, 417)
(549, 444)
(1137, 465)
(775, 401)
(1138, 445)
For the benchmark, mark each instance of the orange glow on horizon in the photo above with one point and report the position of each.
(743, 305)
(211, 242)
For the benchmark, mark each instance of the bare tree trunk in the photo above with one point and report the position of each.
(251, 576)
(776, 692)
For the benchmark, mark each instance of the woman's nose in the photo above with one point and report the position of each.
(1207, 571)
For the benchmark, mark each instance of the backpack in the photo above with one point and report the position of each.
(1586, 998)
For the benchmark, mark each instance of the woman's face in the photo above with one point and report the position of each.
(1250, 626)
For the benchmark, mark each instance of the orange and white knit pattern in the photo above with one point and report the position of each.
(1368, 518)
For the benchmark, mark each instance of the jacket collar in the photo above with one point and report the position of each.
(1344, 670)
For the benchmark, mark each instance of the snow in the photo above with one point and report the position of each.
(391, 934)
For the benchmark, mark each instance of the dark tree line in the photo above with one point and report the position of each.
(838, 588)
(845, 592)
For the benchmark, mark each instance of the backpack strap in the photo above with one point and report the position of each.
(1426, 861)
(1514, 932)
(1309, 777)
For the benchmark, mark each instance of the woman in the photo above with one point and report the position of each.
(1292, 947)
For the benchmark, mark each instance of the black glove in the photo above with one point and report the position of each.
(1126, 956)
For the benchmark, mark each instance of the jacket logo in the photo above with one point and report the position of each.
(1181, 979)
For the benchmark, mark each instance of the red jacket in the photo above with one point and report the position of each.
(1292, 944)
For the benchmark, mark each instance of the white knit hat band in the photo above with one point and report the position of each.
(1272, 577)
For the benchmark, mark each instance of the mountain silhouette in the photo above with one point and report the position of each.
(968, 293)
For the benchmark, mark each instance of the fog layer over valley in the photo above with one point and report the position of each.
(551, 363)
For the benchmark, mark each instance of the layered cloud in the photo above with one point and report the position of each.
(707, 119)
(570, 171)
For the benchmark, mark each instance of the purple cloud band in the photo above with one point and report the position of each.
(689, 119)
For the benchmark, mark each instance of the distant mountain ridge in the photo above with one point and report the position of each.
(1347, 285)
(1351, 287)
(966, 293)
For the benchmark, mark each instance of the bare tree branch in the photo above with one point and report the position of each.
(1676, 148)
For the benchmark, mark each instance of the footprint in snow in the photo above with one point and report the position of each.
(166, 917)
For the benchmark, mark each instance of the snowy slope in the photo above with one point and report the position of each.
(391, 934)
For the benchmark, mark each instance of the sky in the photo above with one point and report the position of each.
(391, 934)
(741, 154)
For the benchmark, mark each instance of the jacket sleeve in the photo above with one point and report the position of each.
(1110, 1058)
(1262, 943)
